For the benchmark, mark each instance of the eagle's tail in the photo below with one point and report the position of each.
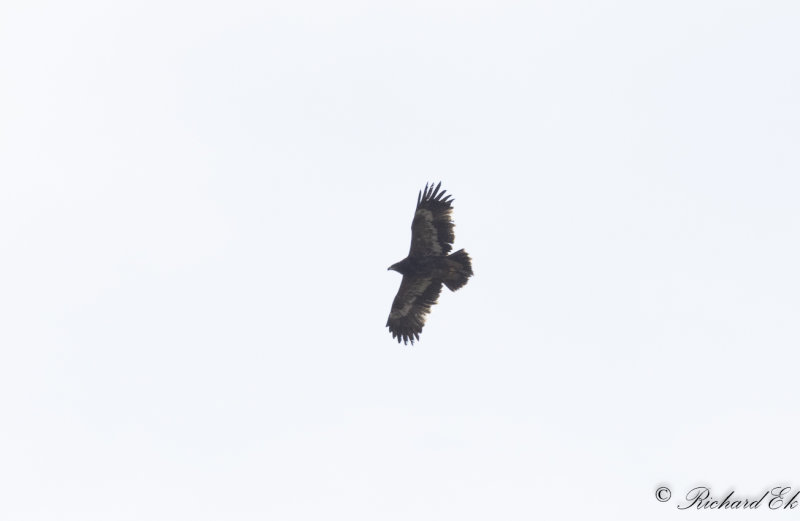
(460, 269)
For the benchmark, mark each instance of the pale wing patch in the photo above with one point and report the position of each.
(430, 232)
(411, 297)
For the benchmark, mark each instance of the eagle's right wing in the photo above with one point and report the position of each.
(432, 229)
(411, 305)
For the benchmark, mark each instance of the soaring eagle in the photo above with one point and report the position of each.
(427, 266)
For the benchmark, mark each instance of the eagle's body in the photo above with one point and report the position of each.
(433, 266)
(427, 266)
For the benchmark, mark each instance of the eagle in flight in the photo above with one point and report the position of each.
(427, 266)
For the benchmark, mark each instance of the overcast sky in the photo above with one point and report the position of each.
(199, 201)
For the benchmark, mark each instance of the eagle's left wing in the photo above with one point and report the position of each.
(432, 230)
(412, 303)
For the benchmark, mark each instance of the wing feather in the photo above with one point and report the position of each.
(432, 227)
(410, 307)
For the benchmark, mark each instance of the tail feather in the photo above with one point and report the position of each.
(460, 269)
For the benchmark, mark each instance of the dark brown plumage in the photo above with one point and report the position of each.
(427, 266)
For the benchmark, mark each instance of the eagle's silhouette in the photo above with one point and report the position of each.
(427, 266)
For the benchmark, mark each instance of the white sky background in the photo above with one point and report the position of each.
(198, 204)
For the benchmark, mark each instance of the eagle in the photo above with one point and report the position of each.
(427, 266)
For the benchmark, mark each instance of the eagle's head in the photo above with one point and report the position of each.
(400, 267)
